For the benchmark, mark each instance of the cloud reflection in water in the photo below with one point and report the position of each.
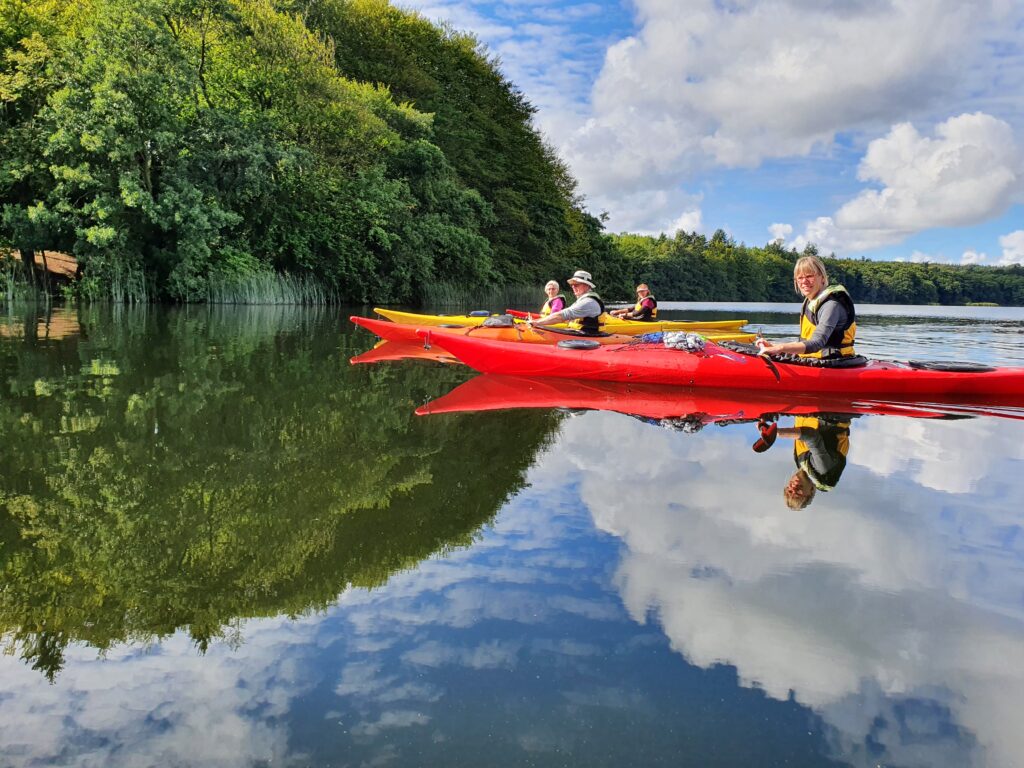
(891, 608)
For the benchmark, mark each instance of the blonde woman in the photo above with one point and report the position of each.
(828, 321)
(820, 447)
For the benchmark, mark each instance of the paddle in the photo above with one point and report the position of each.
(771, 365)
(761, 343)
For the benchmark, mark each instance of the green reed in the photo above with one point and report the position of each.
(268, 288)
(16, 286)
(128, 286)
(493, 297)
(9, 279)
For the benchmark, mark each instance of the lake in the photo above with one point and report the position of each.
(222, 544)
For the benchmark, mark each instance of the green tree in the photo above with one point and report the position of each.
(482, 123)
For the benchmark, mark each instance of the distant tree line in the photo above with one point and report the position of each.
(692, 267)
(178, 148)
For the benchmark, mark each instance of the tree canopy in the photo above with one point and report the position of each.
(168, 143)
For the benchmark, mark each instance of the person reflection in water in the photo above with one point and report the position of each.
(819, 450)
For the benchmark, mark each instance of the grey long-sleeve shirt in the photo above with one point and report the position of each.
(832, 315)
(585, 307)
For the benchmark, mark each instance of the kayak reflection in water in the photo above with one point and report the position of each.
(828, 321)
(556, 299)
(820, 446)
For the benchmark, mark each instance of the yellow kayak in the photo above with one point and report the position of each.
(406, 333)
(609, 325)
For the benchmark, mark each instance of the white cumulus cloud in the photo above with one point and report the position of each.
(1013, 248)
(780, 231)
(700, 84)
(970, 171)
(650, 212)
(688, 221)
(704, 83)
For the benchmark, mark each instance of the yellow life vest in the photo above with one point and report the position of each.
(836, 436)
(590, 325)
(840, 343)
(546, 309)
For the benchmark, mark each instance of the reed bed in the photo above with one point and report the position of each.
(493, 297)
(16, 287)
(269, 288)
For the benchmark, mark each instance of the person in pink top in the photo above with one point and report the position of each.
(556, 299)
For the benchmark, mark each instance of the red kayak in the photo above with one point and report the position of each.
(720, 368)
(658, 401)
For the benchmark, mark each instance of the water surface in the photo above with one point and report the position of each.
(222, 544)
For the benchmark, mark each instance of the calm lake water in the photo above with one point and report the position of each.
(223, 545)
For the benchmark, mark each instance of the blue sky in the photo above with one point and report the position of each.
(890, 129)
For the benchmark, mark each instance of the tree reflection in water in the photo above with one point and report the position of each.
(170, 470)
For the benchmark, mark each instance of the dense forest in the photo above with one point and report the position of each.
(692, 267)
(189, 150)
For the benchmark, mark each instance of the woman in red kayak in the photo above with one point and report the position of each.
(828, 321)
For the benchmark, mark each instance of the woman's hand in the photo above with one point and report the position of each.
(792, 347)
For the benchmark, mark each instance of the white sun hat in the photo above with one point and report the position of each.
(579, 276)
